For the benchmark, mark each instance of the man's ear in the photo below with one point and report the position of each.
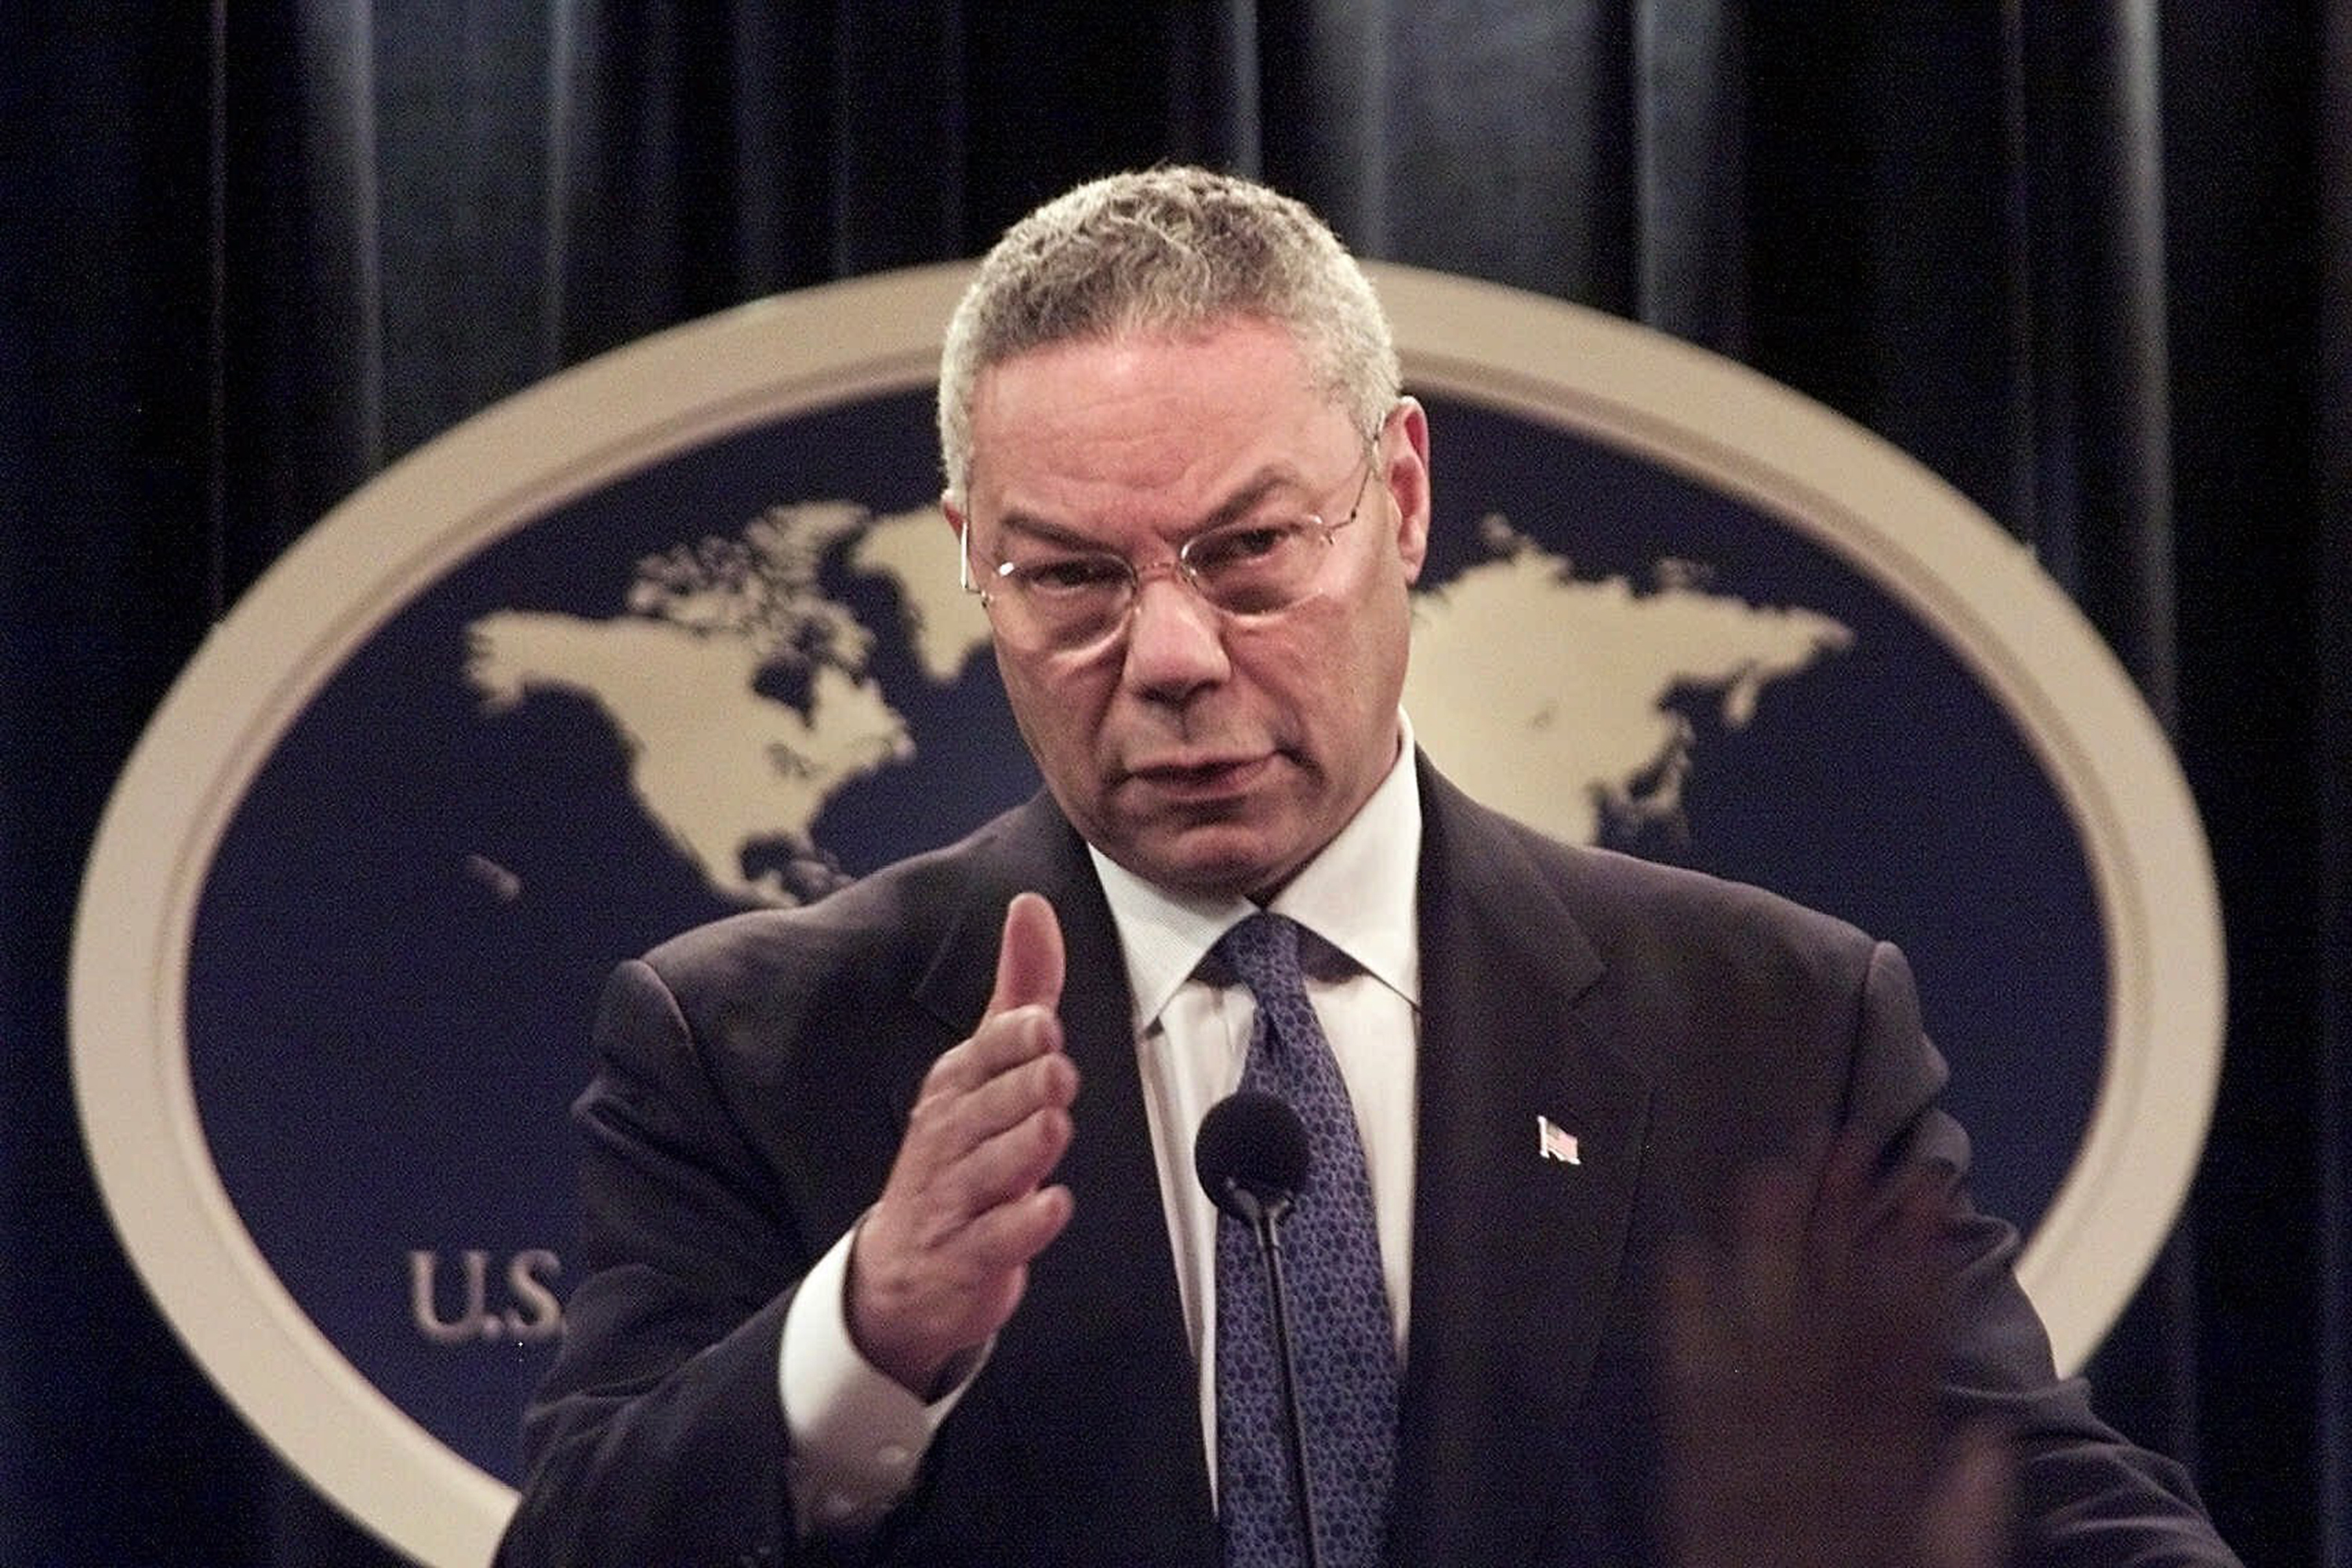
(957, 523)
(1404, 470)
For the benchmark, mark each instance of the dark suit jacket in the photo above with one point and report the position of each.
(753, 1076)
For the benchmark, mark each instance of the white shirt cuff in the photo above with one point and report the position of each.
(857, 1437)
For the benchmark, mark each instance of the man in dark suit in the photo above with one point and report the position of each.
(893, 1251)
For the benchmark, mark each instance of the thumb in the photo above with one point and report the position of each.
(1029, 962)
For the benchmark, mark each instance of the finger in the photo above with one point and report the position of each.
(969, 1098)
(1048, 1081)
(1848, 1171)
(1871, 1199)
(1001, 1043)
(1011, 1236)
(1768, 1253)
(1837, 1225)
(1029, 959)
(1003, 1168)
(1020, 1023)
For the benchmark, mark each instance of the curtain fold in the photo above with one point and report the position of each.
(2331, 579)
(2243, 284)
(303, 371)
(1690, 170)
(2093, 264)
(2125, 520)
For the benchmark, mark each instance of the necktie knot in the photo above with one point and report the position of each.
(1264, 951)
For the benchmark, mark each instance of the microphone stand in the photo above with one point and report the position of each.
(1264, 1220)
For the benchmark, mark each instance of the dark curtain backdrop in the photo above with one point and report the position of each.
(2091, 259)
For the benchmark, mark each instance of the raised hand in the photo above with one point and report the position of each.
(942, 1258)
(1800, 1362)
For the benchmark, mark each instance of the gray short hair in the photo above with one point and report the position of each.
(1167, 250)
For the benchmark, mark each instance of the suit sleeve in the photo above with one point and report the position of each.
(2085, 1496)
(659, 1436)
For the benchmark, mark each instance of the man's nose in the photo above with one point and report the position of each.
(1175, 639)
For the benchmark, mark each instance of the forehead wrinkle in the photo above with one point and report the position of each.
(1272, 477)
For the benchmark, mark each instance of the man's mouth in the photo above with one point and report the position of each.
(1200, 777)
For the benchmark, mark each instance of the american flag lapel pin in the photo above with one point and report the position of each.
(1553, 1142)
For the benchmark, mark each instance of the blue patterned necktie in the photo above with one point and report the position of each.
(1342, 1332)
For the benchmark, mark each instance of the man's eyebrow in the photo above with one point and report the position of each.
(1266, 481)
(1245, 500)
(1053, 534)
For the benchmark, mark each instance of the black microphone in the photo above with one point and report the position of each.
(1251, 1154)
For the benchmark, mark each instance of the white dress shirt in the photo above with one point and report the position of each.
(1363, 978)
(857, 1436)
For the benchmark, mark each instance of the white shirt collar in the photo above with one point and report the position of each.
(1358, 894)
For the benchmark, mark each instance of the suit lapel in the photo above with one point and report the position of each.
(1516, 1255)
(1094, 1376)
